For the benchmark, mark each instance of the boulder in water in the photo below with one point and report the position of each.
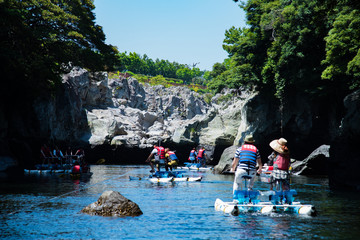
(113, 204)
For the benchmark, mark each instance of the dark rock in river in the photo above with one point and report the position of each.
(113, 204)
(315, 164)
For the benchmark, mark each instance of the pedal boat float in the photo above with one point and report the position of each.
(264, 202)
(168, 176)
(45, 170)
(195, 167)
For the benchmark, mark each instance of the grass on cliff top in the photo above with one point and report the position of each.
(161, 80)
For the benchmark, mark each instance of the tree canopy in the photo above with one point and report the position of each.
(42, 39)
(298, 45)
(136, 63)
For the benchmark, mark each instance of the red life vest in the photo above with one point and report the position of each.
(160, 152)
(282, 161)
(201, 153)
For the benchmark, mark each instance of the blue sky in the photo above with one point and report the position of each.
(184, 31)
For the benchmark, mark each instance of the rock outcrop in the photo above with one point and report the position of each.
(317, 163)
(344, 161)
(113, 204)
(113, 116)
(226, 159)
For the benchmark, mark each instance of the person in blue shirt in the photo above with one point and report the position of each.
(245, 160)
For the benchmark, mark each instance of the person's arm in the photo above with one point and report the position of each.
(260, 165)
(149, 157)
(234, 164)
(42, 152)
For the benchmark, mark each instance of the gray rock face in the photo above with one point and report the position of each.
(113, 204)
(345, 152)
(226, 159)
(121, 111)
(315, 163)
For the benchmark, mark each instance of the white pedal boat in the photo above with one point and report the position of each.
(235, 208)
(255, 203)
(195, 167)
(169, 179)
(45, 171)
(168, 176)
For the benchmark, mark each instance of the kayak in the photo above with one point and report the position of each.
(264, 202)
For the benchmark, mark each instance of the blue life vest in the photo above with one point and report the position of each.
(247, 158)
(172, 155)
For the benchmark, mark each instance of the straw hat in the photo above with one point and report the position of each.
(249, 139)
(279, 145)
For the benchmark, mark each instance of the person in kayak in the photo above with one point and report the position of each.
(159, 158)
(281, 164)
(202, 156)
(192, 156)
(170, 159)
(245, 160)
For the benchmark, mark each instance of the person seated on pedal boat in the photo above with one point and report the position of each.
(202, 156)
(245, 160)
(192, 156)
(45, 156)
(58, 155)
(159, 157)
(281, 164)
(80, 155)
(170, 159)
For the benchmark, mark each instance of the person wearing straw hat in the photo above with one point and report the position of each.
(245, 160)
(281, 159)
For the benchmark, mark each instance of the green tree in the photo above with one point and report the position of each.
(42, 39)
(185, 73)
(288, 46)
(343, 49)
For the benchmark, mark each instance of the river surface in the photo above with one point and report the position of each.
(49, 208)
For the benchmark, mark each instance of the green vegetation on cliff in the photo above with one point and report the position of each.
(298, 45)
(42, 39)
(288, 46)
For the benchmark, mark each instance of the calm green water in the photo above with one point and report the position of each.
(49, 208)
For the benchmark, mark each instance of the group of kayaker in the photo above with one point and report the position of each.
(161, 156)
(247, 162)
(55, 159)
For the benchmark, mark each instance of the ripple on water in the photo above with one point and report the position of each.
(50, 208)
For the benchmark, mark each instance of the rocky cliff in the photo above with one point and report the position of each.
(119, 119)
